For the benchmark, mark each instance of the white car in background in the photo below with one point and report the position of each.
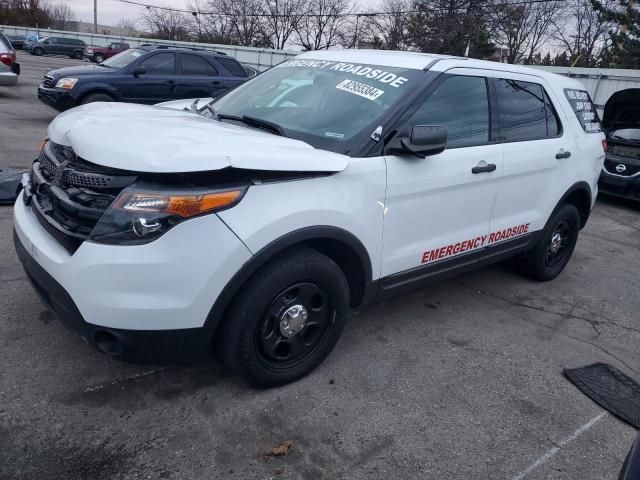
(9, 68)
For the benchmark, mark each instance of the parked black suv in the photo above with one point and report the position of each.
(621, 120)
(146, 74)
(72, 47)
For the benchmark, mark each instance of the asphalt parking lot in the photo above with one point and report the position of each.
(462, 380)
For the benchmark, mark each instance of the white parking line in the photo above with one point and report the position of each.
(565, 441)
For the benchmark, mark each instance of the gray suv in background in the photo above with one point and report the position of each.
(72, 47)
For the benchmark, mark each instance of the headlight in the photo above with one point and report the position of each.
(67, 83)
(138, 216)
(89, 50)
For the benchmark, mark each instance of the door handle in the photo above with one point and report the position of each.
(562, 154)
(484, 168)
(216, 82)
(170, 82)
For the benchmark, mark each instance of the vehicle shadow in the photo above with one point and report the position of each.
(627, 203)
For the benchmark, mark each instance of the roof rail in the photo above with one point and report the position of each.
(182, 47)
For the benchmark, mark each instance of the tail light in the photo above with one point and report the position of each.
(7, 58)
(605, 145)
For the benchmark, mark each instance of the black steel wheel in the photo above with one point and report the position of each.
(286, 319)
(551, 254)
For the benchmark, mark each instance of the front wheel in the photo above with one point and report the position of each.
(286, 320)
(98, 58)
(38, 51)
(77, 55)
(551, 254)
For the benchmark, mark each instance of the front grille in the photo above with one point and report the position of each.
(48, 81)
(613, 165)
(70, 195)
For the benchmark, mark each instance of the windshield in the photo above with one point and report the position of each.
(123, 59)
(320, 102)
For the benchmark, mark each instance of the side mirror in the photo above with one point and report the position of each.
(139, 70)
(110, 47)
(423, 140)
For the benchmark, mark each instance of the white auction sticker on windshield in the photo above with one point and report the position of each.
(135, 54)
(361, 89)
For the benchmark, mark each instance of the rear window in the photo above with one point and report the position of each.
(584, 109)
(233, 66)
(526, 113)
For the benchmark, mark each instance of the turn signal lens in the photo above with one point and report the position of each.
(605, 145)
(184, 206)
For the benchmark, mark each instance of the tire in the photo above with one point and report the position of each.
(98, 58)
(77, 55)
(267, 340)
(97, 97)
(551, 254)
(38, 51)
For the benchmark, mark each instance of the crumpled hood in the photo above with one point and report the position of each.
(162, 140)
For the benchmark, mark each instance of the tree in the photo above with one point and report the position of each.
(27, 13)
(523, 28)
(127, 28)
(167, 24)
(239, 21)
(583, 32)
(62, 16)
(625, 49)
(391, 29)
(281, 19)
(448, 26)
(324, 26)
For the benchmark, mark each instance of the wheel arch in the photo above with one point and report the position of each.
(580, 196)
(338, 244)
(93, 89)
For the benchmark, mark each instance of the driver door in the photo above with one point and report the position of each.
(438, 209)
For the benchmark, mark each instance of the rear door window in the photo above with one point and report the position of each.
(526, 113)
(196, 65)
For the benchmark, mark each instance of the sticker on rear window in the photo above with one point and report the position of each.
(584, 109)
(360, 89)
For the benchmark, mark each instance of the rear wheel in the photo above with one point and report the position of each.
(286, 319)
(551, 254)
(77, 55)
(97, 97)
(38, 51)
(98, 58)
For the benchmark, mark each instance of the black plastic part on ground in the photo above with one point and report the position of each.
(609, 388)
(10, 185)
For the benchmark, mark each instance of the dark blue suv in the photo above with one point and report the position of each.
(146, 74)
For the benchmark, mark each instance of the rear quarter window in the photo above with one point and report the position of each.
(584, 109)
(233, 66)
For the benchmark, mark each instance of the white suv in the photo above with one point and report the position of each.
(251, 225)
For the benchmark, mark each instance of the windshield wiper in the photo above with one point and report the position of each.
(103, 65)
(256, 122)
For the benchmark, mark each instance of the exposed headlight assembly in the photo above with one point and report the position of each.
(67, 83)
(138, 216)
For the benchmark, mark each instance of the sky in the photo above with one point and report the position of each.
(111, 12)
